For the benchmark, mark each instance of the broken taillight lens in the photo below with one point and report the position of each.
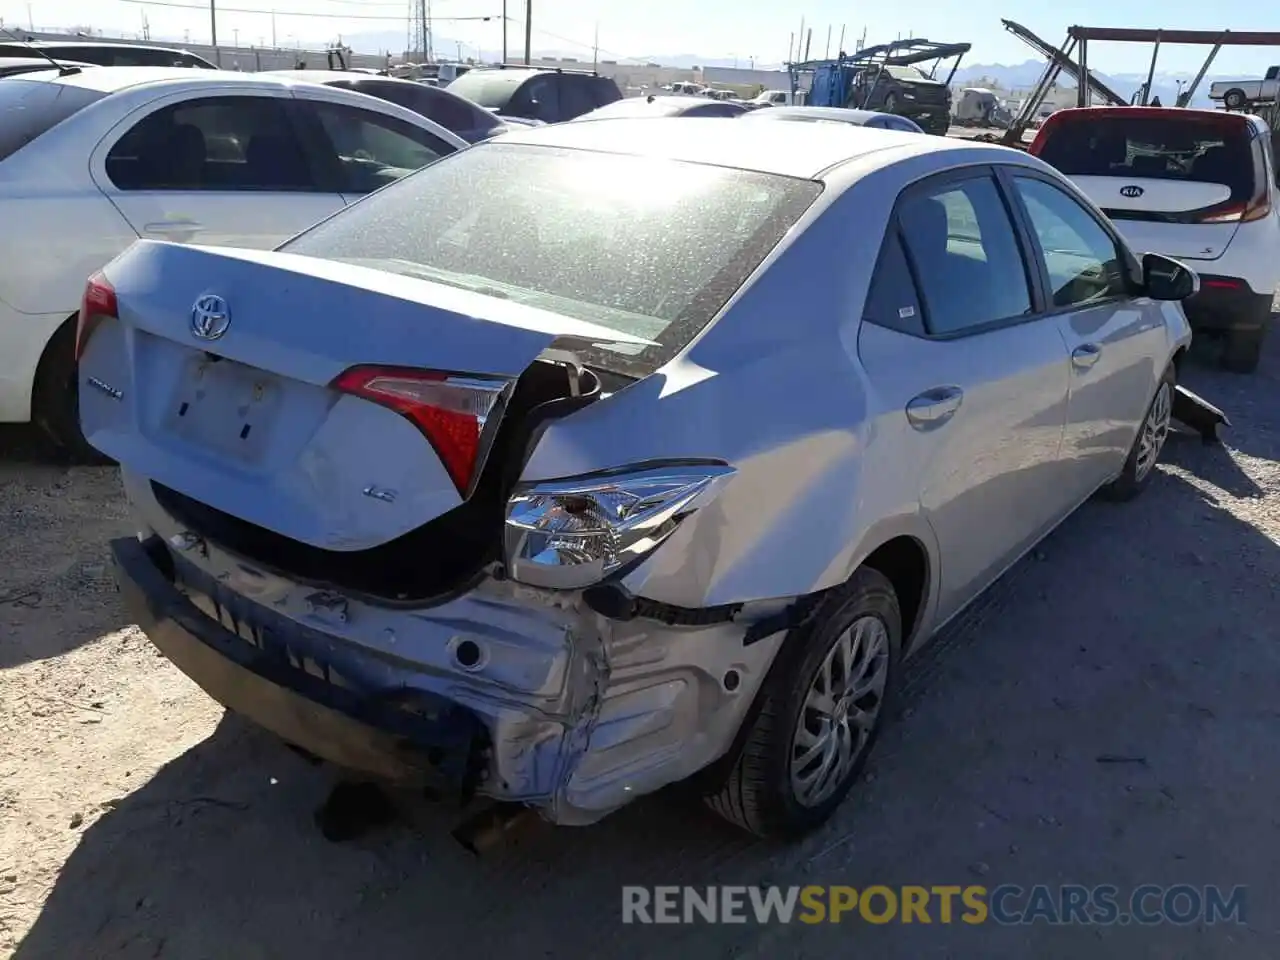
(457, 414)
(97, 304)
(572, 533)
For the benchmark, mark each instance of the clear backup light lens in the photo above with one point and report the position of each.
(569, 534)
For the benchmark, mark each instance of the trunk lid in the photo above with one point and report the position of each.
(1143, 208)
(240, 413)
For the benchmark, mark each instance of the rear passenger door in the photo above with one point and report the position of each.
(1114, 339)
(224, 170)
(971, 376)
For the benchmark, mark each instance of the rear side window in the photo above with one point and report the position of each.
(1167, 147)
(31, 108)
(653, 248)
(965, 255)
(605, 90)
(576, 96)
(452, 113)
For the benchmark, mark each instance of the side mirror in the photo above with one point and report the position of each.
(1164, 278)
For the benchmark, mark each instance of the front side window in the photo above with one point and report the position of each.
(965, 255)
(652, 248)
(1083, 260)
(212, 143)
(373, 149)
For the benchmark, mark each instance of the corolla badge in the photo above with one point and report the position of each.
(1132, 191)
(210, 317)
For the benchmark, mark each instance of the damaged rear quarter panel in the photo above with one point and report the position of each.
(774, 389)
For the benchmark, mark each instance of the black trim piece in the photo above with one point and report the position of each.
(614, 603)
(793, 616)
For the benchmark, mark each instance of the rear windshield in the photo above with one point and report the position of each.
(491, 89)
(1202, 150)
(30, 108)
(111, 56)
(653, 248)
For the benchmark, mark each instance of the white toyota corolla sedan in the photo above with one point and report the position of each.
(603, 454)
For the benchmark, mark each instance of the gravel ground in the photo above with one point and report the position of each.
(136, 820)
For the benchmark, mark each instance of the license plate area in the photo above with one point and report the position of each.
(224, 406)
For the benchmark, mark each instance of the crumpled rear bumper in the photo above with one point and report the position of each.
(569, 712)
(277, 677)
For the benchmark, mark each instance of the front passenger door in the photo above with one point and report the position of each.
(971, 379)
(363, 150)
(1112, 337)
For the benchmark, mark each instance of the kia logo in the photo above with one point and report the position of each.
(1131, 191)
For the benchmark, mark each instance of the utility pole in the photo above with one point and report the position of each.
(213, 27)
(595, 49)
(528, 30)
(504, 31)
(826, 53)
(273, 29)
(431, 53)
(840, 45)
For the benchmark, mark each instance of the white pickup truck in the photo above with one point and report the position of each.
(1236, 94)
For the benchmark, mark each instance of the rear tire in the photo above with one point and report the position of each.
(772, 790)
(890, 103)
(1234, 99)
(1140, 466)
(56, 403)
(1243, 350)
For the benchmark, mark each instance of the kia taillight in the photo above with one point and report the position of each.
(458, 414)
(98, 304)
(1256, 209)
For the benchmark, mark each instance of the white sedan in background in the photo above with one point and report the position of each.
(92, 160)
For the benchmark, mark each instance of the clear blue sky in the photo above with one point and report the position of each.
(709, 28)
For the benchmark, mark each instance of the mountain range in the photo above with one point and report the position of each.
(1015, 76)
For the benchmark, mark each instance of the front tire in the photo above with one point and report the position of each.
(819, 714)
(1140, 466)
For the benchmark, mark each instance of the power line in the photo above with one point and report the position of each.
(283, 13)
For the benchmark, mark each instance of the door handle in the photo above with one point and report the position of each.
(1086, 355)
(934, 407)
(173, 228)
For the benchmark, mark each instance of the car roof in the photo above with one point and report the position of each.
(108, 80)
(842, 114)
(806, 151)
(333, 76)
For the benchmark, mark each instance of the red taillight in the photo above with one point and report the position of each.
(452, 411)
(1237, 212)
(1222, 284)
(98, 303)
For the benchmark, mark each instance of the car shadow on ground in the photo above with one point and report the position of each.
(1104, 714)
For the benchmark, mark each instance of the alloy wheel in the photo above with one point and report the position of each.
(1155, 430)
(840, 711)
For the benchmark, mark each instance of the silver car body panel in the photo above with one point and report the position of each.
(806, 402)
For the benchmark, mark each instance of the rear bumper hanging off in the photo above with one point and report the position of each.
(427, 741)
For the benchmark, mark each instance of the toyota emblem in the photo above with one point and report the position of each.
(1132, 191)
(210, 317)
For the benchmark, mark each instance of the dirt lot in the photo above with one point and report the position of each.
(138, 821)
